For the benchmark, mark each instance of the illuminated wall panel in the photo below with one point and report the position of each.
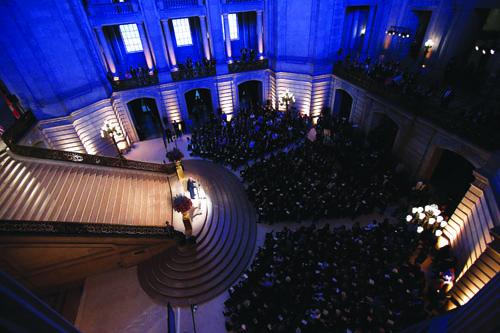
(225, 88)
(299, 85)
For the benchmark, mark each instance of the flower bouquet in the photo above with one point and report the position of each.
(175, 155)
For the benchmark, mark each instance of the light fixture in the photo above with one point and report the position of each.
(420, 229)
(432, 221)
(429, 44)
(116, 78)
(287, 98)
(363, 31)
(484, 51)
(110, 131)
(438, 233)
(401, 32)
(409, 218)
(492, 52)
(477, 48)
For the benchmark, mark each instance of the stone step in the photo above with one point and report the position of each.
(194, 274)
(44, 190)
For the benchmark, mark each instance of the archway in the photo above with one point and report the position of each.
(250, 93)
(451, 176)
(383, 132)
(146, 118)
(199, 106)
(343, 104)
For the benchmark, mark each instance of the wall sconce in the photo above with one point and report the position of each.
(286, 99)
(429, 44)
(484, 49)
(401, 32)
(111, 131)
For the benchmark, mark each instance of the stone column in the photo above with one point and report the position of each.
(368, 32)
(170, 44)
(260, 33)
(206, 46)
(227, 34)
(145, 45)
(105, 48)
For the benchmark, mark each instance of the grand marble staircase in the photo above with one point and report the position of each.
(225, 245)
(33, 189)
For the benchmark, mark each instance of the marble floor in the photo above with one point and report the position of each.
(115, 302)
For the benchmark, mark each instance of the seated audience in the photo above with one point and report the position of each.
(334, 176)
(251, 134)
(318, 281)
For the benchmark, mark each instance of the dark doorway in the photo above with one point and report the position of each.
(146, 118)
(451, 177)
(383, 132)
(199, 106)
(343, 104)
(250, 93)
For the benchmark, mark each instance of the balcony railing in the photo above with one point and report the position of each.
(87, 229)
(60, 155)
(194, 72)
(137, 82)
(245, 66)
(485, 135)
(163, 4)
(109, 9)
(239, 1)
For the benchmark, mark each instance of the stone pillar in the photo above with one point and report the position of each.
(206, 46)
(260, 33)
(145, 45)
(227, 34)
(170, 44)
(368, 32)
(105, 48)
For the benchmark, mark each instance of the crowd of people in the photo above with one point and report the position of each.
(190, 69)
(332, 176)
(251, 134)
(466, 108)
(318, 280)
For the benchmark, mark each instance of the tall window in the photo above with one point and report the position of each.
(131, 38)
(182, 32)
(233, 26)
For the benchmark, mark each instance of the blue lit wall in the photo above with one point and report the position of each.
(123, 60)
(195, 51)
(247, 34)
(51, 58)
(48, 57)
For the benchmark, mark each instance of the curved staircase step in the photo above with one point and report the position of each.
(193, 274)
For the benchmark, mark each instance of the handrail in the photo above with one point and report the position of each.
(13, 134)
(244, 66)
(418, 106)
(59, 155)
(86, 229)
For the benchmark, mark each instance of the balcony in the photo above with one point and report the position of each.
(134, 82)
(244, 66)
(239, 1)
(189, 72)
(112, 9)
(457, 120)
(172, 4)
